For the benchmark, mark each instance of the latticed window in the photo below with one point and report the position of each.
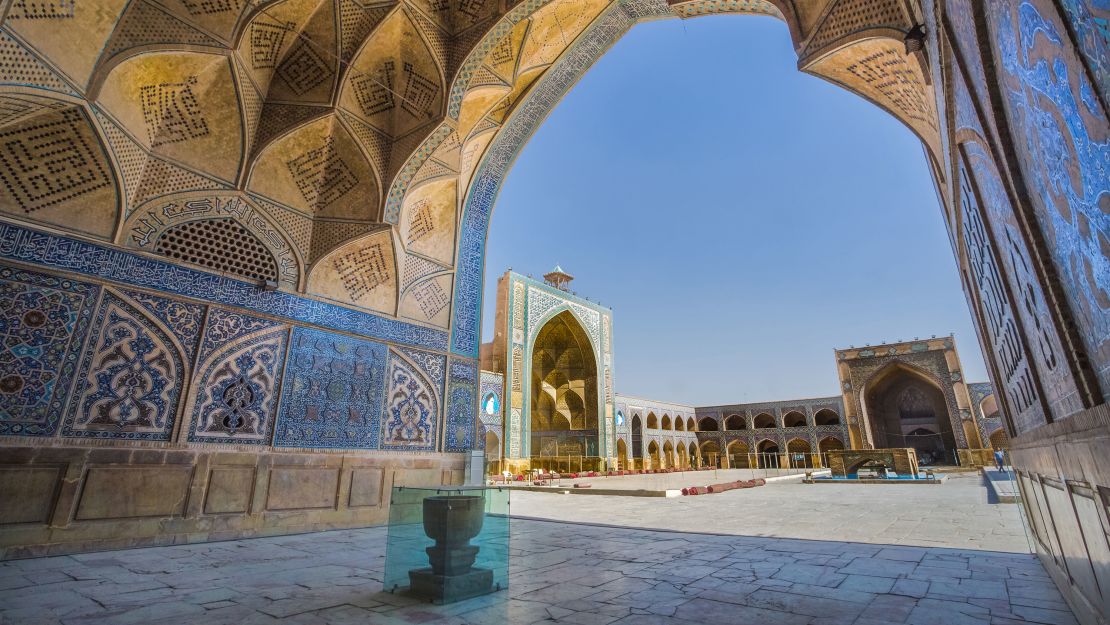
(220, 244)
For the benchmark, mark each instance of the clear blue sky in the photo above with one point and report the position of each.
(741, 218)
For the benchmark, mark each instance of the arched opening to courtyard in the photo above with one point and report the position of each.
(652, 421)
(794, 420)
(826, 417)
(764, 421)
(668, 455)
(637, 443)
(683, 458)
(830, 443)
(666, 423)
(736, 422)
(799, 453)
(493, 453)
(564, 407)
(622, 455)
(710, 454)
(738, 455)
(905, 407)
(707, 424)
(679, 424)
(768, 454)
(653, 460)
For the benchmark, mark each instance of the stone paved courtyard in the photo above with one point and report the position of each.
(573, 573)
(953, 514)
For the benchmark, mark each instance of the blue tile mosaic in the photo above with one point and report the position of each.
(410, 417)
(65, 254)
(462, 406)
(130, 378)
(182, 318)
(237, 391)
(42, 331)
(1059, 126)
(332, 392)
(224, 326)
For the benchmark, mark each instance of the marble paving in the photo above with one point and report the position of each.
(562, 572)
(957, 513)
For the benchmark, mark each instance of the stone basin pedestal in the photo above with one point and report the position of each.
(452, 521)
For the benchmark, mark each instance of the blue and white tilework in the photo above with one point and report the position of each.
(332, 391)
(412, 408)
(130, 378)
(462, 407)
(1059, 126)
(237, 391)
(42, 329)
(65, 254)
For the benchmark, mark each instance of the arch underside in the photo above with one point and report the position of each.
(359, 147)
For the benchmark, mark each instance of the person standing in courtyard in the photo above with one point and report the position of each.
(999, 459)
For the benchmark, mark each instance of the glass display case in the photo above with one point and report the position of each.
(447, 544)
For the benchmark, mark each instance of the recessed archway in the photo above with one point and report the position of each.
(710, 454)
(999, 439)
(989, 407)
(652, 421)
(668, 455)
(622, 455)
(652, 459)
(799, 452)
(708, 424)
(794, 420)
(826, 417)
(679, 424)
(738, 455)
(764, 421)
(905, 407)
(493, 453)
(666, 422)
(736, 422)
(768, 451)
(564, 406)
(637, 443)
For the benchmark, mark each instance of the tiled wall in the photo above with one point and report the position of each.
(132, 406)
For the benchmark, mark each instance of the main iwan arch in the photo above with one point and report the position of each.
(246, 202)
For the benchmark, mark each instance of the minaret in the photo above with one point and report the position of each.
(558, 278)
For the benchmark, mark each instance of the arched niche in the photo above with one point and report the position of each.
(564, 400)
(906, 407)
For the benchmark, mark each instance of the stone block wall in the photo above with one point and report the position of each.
(85, 499)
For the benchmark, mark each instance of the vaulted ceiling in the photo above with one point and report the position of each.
(326, 146)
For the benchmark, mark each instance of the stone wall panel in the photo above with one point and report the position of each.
(29, 493)
(112, 492)
(298, 488)
(230, 490)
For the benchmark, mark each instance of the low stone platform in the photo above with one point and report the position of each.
(1002, 485)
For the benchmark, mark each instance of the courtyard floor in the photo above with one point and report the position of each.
(953, 514)
(568, 571)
